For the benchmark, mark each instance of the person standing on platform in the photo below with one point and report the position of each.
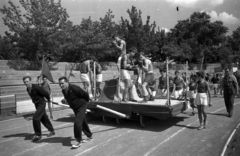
(121, 46)
(203, 92)
(230, 89)
(38, 96)
(126, 66)
(46, 86)
(86, 76)
(78, 100)
(147, 68)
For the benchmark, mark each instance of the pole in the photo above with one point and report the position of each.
(94, 80)
(168, 95)
(100, 107)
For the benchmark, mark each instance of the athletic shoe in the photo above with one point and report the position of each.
(151, 98)
(87, 139)
(200, 127)
(36, 138)
(192, 114)
(143, 101)
(132, 100)
(78, 144)
(51, 134)
(205, 125)
(124, 100)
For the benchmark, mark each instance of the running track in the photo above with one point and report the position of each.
(177, 136)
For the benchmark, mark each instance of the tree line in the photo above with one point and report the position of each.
(44, 29)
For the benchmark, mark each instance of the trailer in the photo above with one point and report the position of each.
(160, 108)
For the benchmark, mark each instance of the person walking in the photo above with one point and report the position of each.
(78, 100)
(203, 92)
(38, 95)
(230, 89)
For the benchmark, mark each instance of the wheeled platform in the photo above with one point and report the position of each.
(159, 108)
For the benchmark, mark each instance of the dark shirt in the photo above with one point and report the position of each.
(76, 96)
(178, 81)
(230, 84)
(162, 82)
(192, 86)
(98, 68)
(215, 80)
(84, 66)
(38, 94)
(202, 87)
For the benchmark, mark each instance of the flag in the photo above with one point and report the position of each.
(46, 71)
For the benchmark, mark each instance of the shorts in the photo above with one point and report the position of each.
(124, 74)
(201, 99)
(149, 77)
(215, 86)
(85, 78)
(99, 78)
(191, 94)
(177, 93)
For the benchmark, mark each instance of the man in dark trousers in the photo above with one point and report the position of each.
(230, 89)
(38, 95)
(77, 99)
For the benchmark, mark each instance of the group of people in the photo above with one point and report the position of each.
(77, 98)
(133, 61)
(74, 96)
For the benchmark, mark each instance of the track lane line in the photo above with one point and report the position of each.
(174, 134)
(36, 147)
(59, 126)
(103, 143)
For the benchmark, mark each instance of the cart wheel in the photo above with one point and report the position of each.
(119, 121)
(105, 119)
(143, 121)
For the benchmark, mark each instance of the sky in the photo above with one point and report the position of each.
(163, 12)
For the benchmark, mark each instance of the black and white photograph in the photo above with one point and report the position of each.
(119, 78)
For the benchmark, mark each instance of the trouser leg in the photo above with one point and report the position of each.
(46, 122)
(79, 117)
(37, 118)
(231, 103)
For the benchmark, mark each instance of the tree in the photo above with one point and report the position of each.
(35, 31)
(202, 36)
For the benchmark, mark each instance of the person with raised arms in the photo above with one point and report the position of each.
(120, 44)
